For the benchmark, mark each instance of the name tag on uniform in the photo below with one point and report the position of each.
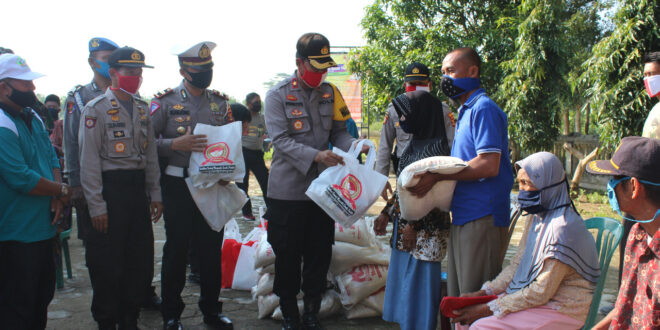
(179, 112)
(116, 125)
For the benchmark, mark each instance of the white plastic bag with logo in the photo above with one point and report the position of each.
(217, 203)
(347, 191)
(222, 159)
(440, 195)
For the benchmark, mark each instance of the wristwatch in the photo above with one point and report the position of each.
(64, 190)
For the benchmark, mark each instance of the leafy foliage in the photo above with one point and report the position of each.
(612, 75)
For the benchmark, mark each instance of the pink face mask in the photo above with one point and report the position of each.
(128, 84)
(652, 85)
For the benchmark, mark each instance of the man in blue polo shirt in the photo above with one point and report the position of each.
(480, 207)
(30, 189)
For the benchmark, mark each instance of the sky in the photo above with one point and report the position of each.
(255, 39)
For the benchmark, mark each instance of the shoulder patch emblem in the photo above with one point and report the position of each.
(163, 93)
(90, 121)
(120, 147)
(291, 97)
(69, 107)
(215, 107)
(452, 118)
(154, 107)
(298, 125)
(178, 107)
(387, 116)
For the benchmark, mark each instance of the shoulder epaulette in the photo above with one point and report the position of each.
(75, 89)
(218, 93)
(163, 93)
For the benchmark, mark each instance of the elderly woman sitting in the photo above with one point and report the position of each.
(550, 281)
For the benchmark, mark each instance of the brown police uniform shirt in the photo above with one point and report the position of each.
(111, 139)
(174, 110)
(76, 100)
(300, 126)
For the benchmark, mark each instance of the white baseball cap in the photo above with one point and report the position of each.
(14, 66)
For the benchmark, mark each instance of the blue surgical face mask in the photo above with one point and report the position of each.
(530, 201)
(614, 202)
(104, 69)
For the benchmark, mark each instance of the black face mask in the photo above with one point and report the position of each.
(201, 79)
(22, 99)
(54, 113)
(256, 107)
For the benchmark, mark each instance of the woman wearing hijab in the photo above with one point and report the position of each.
(412, 292)
(550, 281)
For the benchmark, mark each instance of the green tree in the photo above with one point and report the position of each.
(402, 31)
(553, 36)
(612, 76)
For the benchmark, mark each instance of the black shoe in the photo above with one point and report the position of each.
(219, 321)
(153, 303)
(310, 320)
(291, 323)
(107, 326)
(172, 324)
(194, 278)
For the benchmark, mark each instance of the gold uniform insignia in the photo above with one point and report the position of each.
(136, 56)
(95, 43)
(141, 110)
(327, 95)
(296, 112)
(181, 130)
(204, 51)
(143, 117)
(325, 50)
(298, 125)
(115, 117)
(113, 103)
(113, 112)
(179, 119)
(177, 107)
(415, 70)
(215, 107)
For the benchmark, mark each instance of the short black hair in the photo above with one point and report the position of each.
(653, 193)
(250, 97)
(4, 50)
(651, 57)
(240, 112)
(470, 55)
(52, 97)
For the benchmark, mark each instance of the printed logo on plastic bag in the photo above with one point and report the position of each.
(350, 189)
(217, 153)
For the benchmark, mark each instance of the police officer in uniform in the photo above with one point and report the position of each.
(417, 77)
(120, 179)
(175, 112)
(302, 116)
(99, 51)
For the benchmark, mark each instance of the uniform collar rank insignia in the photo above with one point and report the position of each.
(178, 107)
(95, 86)
(291, 97)
(294, 83)
(184, 94)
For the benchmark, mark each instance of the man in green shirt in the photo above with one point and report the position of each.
(30, 189)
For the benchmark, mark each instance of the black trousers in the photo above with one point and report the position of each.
(183, 223)
(83, 221)
(27, 283)
(300, 231)
(120, 262)
(254, 161)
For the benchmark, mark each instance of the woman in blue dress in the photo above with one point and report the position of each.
(412, 292)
